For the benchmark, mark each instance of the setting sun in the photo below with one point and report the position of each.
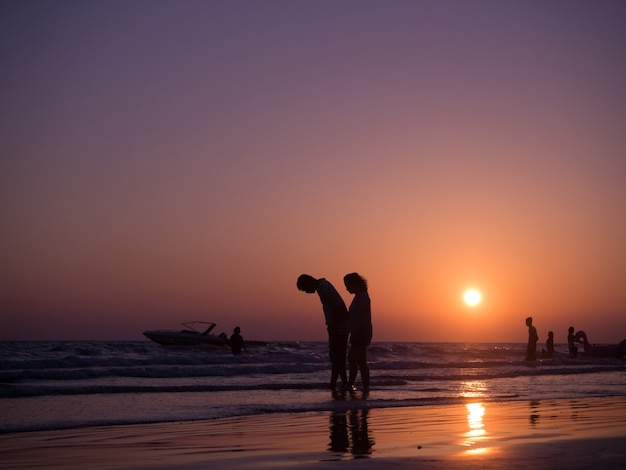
(472, 297)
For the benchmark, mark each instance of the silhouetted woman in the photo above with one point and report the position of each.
(360, 319)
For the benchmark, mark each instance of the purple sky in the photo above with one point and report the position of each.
(167, 161)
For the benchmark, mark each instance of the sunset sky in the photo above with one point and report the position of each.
(168, 161)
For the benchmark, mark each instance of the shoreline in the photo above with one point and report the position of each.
(567, 433)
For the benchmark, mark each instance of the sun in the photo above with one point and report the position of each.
(472, 297)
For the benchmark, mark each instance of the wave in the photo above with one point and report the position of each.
(70, 368)
(160, 382)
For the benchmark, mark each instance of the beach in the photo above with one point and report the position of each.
(137, 405)
(550, 434)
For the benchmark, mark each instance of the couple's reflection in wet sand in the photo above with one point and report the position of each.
(349, 433)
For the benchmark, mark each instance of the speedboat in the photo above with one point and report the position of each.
(194, 333)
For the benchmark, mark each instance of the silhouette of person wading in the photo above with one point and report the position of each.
(236, 341)
(531, 349)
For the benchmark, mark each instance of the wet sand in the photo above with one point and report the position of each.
(569, 434)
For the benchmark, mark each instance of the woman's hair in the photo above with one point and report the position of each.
(358, 283)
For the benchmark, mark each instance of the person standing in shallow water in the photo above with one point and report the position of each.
(550, 343)
(336, 315)
(236, 341)
(360, 318)
(549, 351)
(531, 349)
(571, 343)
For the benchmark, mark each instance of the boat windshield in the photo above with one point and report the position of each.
(201, 327)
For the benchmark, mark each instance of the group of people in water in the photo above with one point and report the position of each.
(572, 340)
(343, 324)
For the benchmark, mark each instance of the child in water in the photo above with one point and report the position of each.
(550, 345)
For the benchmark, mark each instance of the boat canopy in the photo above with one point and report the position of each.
(202, 327)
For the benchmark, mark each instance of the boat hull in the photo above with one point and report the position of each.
(176, 338)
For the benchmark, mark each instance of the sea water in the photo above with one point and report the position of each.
(63, 384)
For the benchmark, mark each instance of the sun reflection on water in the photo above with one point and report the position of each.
(473, 389)
(477, 433)
(475, 413)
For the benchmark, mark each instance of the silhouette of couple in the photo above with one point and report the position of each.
(342, 324)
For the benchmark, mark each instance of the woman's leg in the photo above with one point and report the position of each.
(352, 360)
(365, 370)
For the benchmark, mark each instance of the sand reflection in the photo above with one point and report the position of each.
(476, 437)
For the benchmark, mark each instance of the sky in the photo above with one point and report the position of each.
(169, 161)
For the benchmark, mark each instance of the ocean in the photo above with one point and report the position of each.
(47, 385)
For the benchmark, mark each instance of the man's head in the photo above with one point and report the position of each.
(307, 283)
